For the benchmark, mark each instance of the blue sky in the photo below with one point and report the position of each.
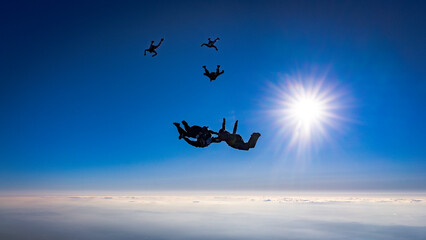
(82, 108)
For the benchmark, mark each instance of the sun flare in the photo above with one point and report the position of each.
(307, 111)
(304, 110)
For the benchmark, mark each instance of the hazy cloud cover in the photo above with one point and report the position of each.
(212, 217)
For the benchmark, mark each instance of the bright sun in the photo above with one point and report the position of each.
(307, 110)
(304, 111)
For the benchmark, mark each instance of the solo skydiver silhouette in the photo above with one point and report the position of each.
(202, 134)
(213, 75)
(152, 48)
(211, 43)
(235, 140)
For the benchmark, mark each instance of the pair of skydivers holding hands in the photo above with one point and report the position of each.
(204, 136)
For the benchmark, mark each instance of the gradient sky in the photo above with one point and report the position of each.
(82, 108)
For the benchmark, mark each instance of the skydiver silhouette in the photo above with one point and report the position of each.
(192, 131)
(235, 140)
(211, 43)
(212, 75)
(202, 134)
(152, 48)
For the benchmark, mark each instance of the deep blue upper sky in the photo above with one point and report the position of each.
(82, 108)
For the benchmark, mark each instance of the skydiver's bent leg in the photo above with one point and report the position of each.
(253, 140)
(235, 127)
(145, 52)
(225, 135)
(155, 53)
(243, 146)
(215, 48)
(239, 143)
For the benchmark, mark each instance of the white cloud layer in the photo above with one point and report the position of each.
(211, 216)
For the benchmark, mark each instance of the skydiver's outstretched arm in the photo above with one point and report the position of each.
(203, 44)
(216, 40)
(197, 143)
(182, 132)
(235, 127)
(206, 71)
(192, 143)
(213, 132)
(159, 43)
